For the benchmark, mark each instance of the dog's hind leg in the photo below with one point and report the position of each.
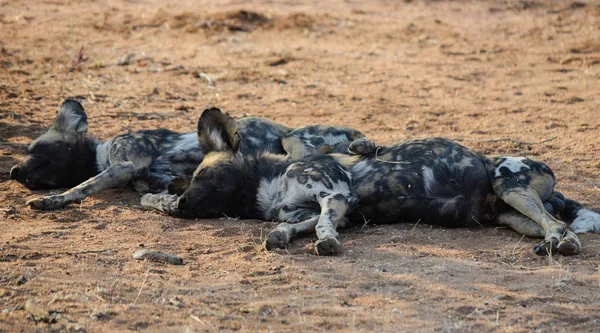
(528, 227)
(296, 148)
(557, 237)
(521, 224)
(579, 218)
(285, 232)
(115, 176)
(523, 184)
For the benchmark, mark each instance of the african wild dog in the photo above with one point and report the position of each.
(150, 160)
(436, 181)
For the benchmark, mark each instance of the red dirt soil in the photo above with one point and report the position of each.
(506, 77)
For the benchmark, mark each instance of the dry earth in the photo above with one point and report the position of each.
(507, 77)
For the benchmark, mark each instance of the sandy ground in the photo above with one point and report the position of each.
(506, 77)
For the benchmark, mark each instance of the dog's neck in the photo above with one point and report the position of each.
(102, 154)
(85, 166)
(88, 150)
(256, 169)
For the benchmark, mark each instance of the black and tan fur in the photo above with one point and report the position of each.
(150, 160)
(435, 181)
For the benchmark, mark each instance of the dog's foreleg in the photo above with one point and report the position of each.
(333, 209)
(115, 176)
(163, 202)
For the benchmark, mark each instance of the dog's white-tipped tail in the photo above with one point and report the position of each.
(586, 221)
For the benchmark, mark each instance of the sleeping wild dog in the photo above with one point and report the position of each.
(436, 181)
(150, 160)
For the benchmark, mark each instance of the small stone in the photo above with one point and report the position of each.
(37, 313)
(157, 256)
(21, 280)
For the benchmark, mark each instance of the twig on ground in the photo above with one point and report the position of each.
(261, 235)
(229, 218)
(550, 259)
(98, 297)
(9, 74)
(79, 59)
(593, 184)
(14, 289)
(481, 225)
(90, 251)
(141, 287)
(199, 320)
(515, 248)
(366, 222)
(510, 140)
(412, 231)
(52, 300)
(211, 82)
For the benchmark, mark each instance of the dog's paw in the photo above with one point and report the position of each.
(546, 247)
(362, 146)
(163, 202)
(569, 246)
(47, 203)
(327, 247)
(277, 239)
(148, 200)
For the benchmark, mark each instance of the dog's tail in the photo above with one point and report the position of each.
(580, 219)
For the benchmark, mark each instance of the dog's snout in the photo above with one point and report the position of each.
(14, 172)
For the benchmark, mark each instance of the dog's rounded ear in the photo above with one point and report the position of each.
(71, 118)
(217, 131)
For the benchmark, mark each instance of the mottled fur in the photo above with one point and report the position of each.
(438, 181)
(152, 161)
(315, 191)
(149, 160)
(435, 181)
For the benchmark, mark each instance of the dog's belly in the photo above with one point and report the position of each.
(436, 181)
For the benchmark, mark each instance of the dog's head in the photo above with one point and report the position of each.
(216, 181)
(61, 157)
